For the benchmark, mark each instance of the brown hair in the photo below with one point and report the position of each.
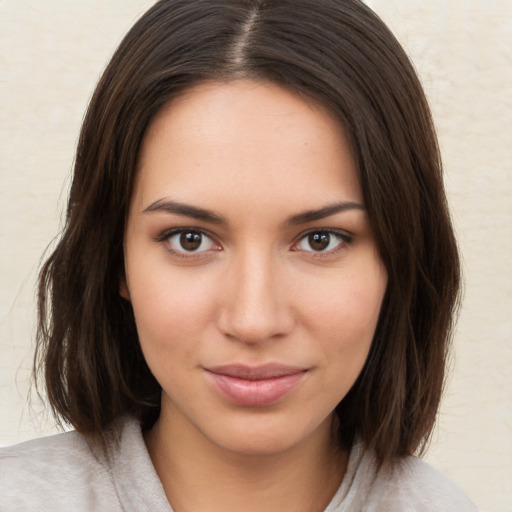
(342, 55)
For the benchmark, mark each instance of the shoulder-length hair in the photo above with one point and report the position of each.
(337, 52)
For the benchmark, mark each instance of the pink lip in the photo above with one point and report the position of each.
(255, 386)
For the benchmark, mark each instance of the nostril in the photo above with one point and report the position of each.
(256, 321)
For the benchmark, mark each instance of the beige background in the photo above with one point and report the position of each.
(51, 54)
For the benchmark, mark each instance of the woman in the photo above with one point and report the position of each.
(250, 305)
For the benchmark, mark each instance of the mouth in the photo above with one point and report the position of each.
(258, 386)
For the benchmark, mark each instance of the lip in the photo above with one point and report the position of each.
(255, 386)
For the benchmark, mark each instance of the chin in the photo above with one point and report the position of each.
(264, 436)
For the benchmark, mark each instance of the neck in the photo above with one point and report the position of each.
(198, 475)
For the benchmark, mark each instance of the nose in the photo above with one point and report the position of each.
(256, 306)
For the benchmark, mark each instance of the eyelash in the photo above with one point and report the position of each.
(166, 237)
(344, 240)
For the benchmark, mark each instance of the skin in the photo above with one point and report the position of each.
(258, 289)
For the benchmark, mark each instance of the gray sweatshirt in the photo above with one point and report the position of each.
(66, 472)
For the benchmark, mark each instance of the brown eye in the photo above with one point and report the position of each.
(191, 240)
(319, 241)
(188, 241)
(323, 241)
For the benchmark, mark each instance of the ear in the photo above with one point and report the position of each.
(123, 289)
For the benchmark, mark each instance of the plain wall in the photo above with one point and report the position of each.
(51, 55)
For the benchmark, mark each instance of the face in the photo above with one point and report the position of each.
(251, 266)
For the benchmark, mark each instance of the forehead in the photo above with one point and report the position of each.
(252, 139)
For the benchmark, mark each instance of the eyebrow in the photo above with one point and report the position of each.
(203, 214)
(186, 210)
(322, 213)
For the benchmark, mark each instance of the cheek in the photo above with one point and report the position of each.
(343, 314)
(170, 309)
(352, 301)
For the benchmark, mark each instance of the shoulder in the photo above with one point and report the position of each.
(53, 473)
(409, 485)
(415, 485)
(65, 447)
